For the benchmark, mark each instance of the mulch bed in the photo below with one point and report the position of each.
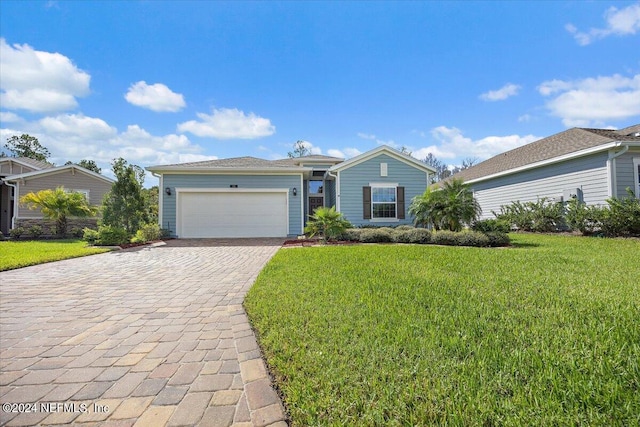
(315, 242)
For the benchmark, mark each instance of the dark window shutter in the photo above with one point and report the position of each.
(366, 202)
(400, 201)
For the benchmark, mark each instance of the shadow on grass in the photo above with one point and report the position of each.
(524, 245)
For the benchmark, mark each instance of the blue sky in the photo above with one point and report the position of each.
(167, 82)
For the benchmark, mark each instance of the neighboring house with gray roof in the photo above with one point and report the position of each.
(252, 197)
(589, 164)
(21, 175)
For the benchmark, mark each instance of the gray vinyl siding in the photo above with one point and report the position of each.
(225, 181)
(69, 180)
(624, 173)
(330, 193)
(588, 173)
(13, 168)
(355, 177)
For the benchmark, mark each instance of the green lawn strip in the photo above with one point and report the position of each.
(25, 253)
(543, 333)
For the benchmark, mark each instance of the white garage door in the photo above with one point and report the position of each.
(241, 214)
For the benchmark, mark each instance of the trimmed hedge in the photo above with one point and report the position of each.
(408, 234)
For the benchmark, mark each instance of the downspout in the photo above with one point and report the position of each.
(337, 188)
(15, 203)
(612, 170)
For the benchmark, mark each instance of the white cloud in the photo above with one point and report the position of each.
(39, 81)
(366, 136)
(453, 144)
(9, 117)
(345, 153)
(501, 94)
(156, 97)
(75, 137)
(593, 101)
(77, 125)
(229, 123)
(620, 22)
(525, 118)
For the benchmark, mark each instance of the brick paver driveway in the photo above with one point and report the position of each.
(154, 336)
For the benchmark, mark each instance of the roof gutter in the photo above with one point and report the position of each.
(558, 159)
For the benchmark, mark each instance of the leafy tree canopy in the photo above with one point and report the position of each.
(87, 164)
(26, 145)
(124, 206)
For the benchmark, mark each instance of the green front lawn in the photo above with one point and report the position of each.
(16, 254)
(544, 333)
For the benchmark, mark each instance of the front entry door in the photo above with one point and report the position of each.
(315, 203)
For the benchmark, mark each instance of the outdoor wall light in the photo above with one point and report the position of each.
(168, 191)
(295, 191)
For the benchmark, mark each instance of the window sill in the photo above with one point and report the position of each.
(384, 220)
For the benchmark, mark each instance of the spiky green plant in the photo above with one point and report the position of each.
(58, 205)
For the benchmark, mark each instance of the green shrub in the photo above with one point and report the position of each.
(90, 235)
(622, 217)
(404, 227)
(148, 233)
(412, 235)
(165, 233)
(444, 237)
(35, 231)
(583, 218)
(498, 239)
(77, 232)
(351, 234)
(376, 235)
(472, 238)
(542, 216)
(112, 236)
(326, 222)
(15, 233)
(491, 225)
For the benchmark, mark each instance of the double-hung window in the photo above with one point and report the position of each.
(383, 202)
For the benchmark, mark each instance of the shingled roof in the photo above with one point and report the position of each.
(561, 144)
(247, 162)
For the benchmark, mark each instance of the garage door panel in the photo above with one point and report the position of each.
(246, 214)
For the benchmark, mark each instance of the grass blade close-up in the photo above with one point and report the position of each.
(543, 333)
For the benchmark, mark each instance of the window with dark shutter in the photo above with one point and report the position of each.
(400, 199)
(366, 202)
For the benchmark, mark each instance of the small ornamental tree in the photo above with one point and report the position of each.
(58, 205)
(124, 205)
(448, 208)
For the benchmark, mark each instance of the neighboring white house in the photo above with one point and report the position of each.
(589, 164)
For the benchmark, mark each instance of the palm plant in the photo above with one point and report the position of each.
(449, 207)
(58, 205)
(327, 223)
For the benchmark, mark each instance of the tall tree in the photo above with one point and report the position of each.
(300, 149)
(58, 205)
(26, 145)
(124, 205)
(442, 170)
(87, 164)
(466, 164)
(151, 203)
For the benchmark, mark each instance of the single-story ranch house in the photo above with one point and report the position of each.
(21, 175)
(252, 197)
(589, 164)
